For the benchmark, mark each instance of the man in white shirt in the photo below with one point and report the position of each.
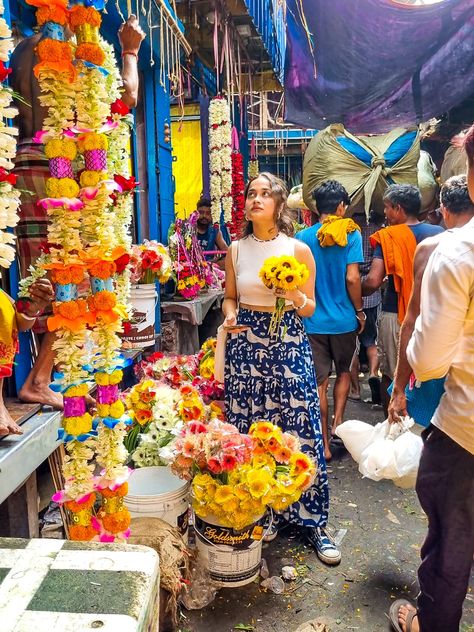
(443, 344)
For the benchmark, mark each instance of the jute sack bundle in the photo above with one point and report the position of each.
(365, 165)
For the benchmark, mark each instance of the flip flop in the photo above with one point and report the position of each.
(393, 615)
(374, 385)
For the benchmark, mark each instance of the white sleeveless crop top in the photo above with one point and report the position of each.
(248, 256)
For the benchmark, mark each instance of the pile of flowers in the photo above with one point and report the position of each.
(282, 273)
(220, 163)
(159, 412)
(237, 477)
(150, 262)
(175, 371)
(9, 196)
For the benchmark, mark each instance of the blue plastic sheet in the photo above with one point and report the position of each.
(380, 64)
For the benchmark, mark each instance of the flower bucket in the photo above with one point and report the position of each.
(142, 330)
(155, 492)
(232, 557)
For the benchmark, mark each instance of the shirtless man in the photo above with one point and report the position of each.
(32, 171)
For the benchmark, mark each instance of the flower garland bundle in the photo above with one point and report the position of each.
(56, 76)
(252, 169)
(9, 196)
(238, 187)
(105, 258)
(220, 159)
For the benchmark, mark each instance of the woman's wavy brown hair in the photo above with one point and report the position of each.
(283, 218)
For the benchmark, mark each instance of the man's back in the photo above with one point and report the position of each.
(334, 312)
(443, 342)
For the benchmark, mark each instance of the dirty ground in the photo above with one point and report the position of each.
(380, 554)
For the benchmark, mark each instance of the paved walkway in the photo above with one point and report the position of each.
(385, 529)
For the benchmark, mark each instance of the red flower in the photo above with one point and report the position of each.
(127, 184)
(196, 427)
(122, 262)
(127, 327)
(7, 177)
(228, 462)
(45, 248)
(119, 107)
(154, 357)
(4, 72)
(214, 466)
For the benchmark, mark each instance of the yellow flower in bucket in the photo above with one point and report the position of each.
(282, 273)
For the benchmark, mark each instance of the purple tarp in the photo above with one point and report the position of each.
(379, 64)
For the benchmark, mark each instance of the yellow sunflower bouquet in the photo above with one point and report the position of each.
(282, 273)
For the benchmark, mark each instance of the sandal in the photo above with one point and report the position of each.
(393, 615)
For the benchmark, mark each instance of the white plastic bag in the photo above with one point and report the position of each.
(356, 436)
(386, 451)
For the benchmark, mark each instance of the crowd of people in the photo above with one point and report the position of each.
(401, 288)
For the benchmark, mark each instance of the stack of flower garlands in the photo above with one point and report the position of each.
(220, 162)
(9, 196)
(237, 477)
(87, 239)
(238, 187)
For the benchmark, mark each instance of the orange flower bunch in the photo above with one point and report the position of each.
(92, 178)
(70, 315)
(54, 55)
(54, 13)
(120, 491)
(92, 53)
(64, 274)
(102, 301)
(80, 15)
(190, 407)
(102, 269)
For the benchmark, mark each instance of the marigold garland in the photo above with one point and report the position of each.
(84, 236)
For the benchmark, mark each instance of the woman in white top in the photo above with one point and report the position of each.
(267, 377)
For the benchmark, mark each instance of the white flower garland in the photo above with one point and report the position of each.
(9, 196)
(220, 162)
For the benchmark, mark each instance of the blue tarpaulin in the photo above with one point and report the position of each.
(379, 64)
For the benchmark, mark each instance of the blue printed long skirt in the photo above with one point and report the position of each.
(274, 380)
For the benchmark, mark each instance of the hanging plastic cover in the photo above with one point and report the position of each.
(365, 165)
(377, 64)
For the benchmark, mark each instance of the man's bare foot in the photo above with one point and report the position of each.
(40, 394)
(327, 454)
(402, 616)
(7, 425)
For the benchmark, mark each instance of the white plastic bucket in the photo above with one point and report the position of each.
(142, 331)
(155, 492)
(232, 557)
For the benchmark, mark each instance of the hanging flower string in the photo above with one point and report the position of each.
(220, 164)
(252, 170)
(238, 187)
(56, 76)
(9, 196)
(93, 111)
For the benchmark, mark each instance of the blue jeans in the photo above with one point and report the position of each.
(445, 488)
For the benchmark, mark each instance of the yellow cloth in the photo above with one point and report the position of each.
(334, 231)
(8, 335)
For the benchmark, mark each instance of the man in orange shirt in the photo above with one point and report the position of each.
(394, 252)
